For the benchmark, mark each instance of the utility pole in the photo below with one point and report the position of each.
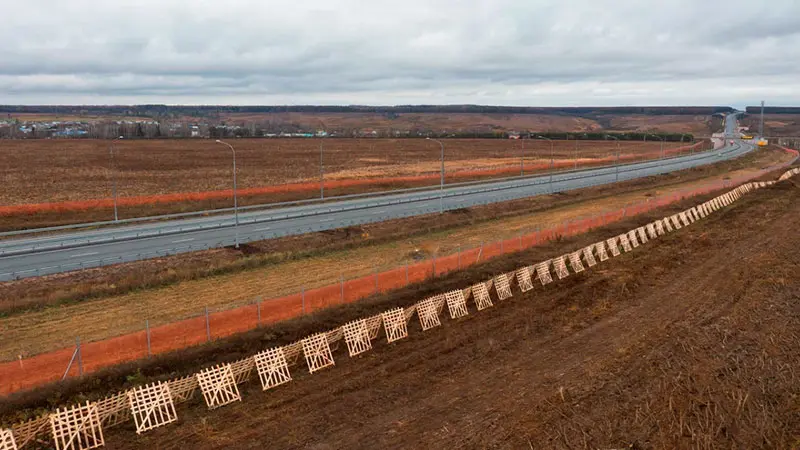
(761, 124)
(321, 174)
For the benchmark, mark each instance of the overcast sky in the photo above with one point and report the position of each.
(504, 52)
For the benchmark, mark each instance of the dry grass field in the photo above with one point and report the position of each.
(40, 171)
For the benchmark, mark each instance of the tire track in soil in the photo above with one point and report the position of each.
(483, 383)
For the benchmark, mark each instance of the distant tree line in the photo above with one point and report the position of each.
(773, 110)
(157, 111)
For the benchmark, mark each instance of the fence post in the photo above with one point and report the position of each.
(147, 330)
(258, 310)
(459, 257)
(303, 293)
(406, 274)
(80, 357)
(208, 327)
(433, 262)
(341, 288)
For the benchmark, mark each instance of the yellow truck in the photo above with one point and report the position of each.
(747, 137)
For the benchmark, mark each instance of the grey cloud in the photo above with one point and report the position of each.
(348, 51)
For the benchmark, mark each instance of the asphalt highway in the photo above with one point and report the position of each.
(20, 258)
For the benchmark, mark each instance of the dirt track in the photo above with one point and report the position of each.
(689, 342)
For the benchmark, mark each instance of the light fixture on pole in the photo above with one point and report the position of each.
(441, 178)
(552, 160)
(235, 197)
(616, 164)
(114, 176)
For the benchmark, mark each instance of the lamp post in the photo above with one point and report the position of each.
(321, 174)
(663, 139)
(616, 164)
(441, 179)
(114, 176)
(522, 157)
(552, 160)
(235, 198)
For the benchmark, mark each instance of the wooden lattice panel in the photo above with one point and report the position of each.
(543, 272)
(684, 219)
(715, 203)
(152, 406)
(575, 262)
(395, 325)
(317, 351)
(456, 304)
(242, 369)
(601, 250)
(77, 428)
(625, 243)
(632, 238)
(32, 430)
(642, 235)
(612, 246)
(524, 279)
(272, 368)
(502, 287)
(356, 335)
(695, 213)
(183, 389)
(374, 324)
(675, 222)
(588, 256)
(660, 228)
(218, 386)
(428, 313)
(560, 266)
(667, 224)
(701, 211)
(651, 230)
(7, 441)
(480, 294)
(113, 410)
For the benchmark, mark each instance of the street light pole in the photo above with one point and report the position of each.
(321, 174)
(114, 176)
(616, 164)
(441, 179)
(522, 157)
(235, 197)
(552, 160)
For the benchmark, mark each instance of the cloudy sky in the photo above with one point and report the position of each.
(506, 52)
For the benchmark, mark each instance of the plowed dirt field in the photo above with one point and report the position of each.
(690, 341)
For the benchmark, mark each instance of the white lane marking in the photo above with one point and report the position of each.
(182, 240)
(83, 254)
(327, 220)
(262, 229)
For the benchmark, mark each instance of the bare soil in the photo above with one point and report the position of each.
(691, 341)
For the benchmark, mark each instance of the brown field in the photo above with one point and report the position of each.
(39, 171)
(774, 124)
(283, 266)
(153, 175)
(690, 341)
(700, 125)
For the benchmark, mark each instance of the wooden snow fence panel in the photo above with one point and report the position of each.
(272, 368)
(456, 304)
(152, 406)
(543, 272)
(77, 428)
(218, 386)
(480, 293)
(588, 256)
(524, 280)
(317, 352)
(395, 325)
(357, 337)
(502, 286)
